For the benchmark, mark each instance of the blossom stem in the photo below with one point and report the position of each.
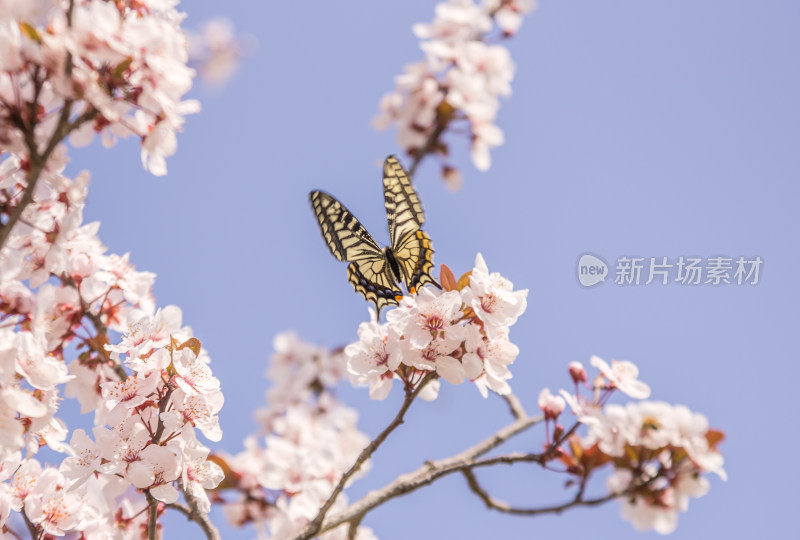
(315, 525)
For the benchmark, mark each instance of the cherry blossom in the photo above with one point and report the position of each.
(492, 297)
(623, 376)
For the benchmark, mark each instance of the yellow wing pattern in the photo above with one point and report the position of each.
(374, 272)
(412, 247)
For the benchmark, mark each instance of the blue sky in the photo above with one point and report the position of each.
(635, 128)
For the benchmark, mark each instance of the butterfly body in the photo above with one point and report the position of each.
(375, 272)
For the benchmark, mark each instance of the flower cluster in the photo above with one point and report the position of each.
(92, 66)
(61, 295)
(460, 81)
(459, 333)
(309, 440)
(658, 451)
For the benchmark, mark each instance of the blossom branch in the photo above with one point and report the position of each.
(315, 525)
(99, 327)
(428, 473)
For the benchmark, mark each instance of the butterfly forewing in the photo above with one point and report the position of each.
(412, 247)
(403, 209)
(347, 239)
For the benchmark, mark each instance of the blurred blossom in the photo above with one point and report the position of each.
(216, 51)
(118, 69)
(459, 83)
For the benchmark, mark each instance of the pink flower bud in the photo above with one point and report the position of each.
(550, 405)
(577, 372)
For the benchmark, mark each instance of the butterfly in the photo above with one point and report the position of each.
(374, 272)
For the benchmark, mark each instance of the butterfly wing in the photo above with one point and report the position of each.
(414, 254)
(412, 247)
(348, 240)
(403, 209)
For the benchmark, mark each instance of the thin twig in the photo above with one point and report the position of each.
(501, 506)
(314, 526)
(514, 404)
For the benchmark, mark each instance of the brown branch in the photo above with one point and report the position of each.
(34, 530)
(430, 143)
(315, 525)
(152, 523)
(429, 472)
(514, 404)
(501, 506)
(193, 513)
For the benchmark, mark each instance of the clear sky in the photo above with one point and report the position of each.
(651, 129)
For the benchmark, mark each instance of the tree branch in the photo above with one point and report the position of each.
(514, 404)
(315, 525)
(152, 523)
(192, 513)
(431, 471)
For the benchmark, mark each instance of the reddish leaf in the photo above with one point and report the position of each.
(230, 477)
(191, 343)
(447, 279)
(714, 437)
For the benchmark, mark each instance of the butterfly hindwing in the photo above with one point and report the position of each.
(376, 287)
(415, 257)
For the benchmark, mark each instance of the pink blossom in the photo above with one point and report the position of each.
(623, 376)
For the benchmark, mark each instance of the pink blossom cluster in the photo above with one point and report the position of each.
(309, 440)
(61, 295)
(459, 333)
(658, 451)
(460, 81)
(114, 68)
